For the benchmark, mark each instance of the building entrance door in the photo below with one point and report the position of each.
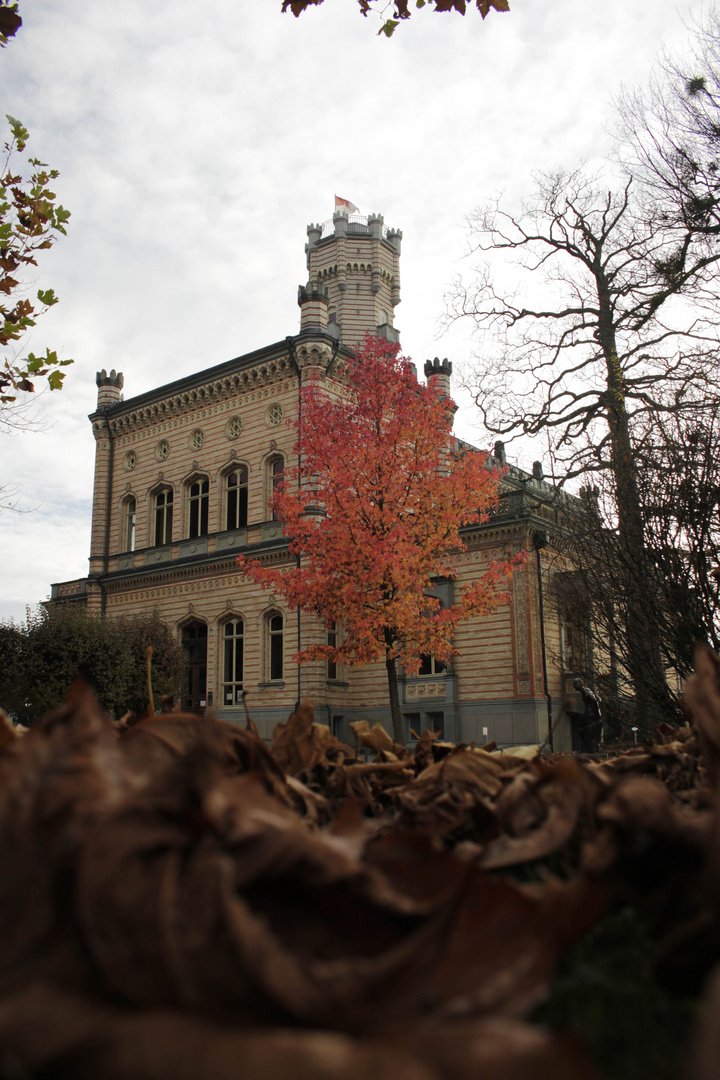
(194, 641)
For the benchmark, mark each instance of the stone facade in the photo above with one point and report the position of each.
(183, 479)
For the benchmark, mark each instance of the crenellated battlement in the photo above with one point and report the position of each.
(357, 259)
(438, 367)
(109, 387)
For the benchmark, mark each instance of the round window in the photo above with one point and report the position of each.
(130, 460)
(233, 427)
(274, 414)
(197, 439)
(162, 450)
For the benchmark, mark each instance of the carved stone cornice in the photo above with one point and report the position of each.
(210, 567)
(315, 354)
(200, 397)
(100, 429)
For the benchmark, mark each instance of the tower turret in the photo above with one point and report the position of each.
(356, 260)
(439, 371)
(109, 387)
(313, 302)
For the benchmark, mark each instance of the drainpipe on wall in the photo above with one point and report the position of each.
(539, 542)
(291, 350)
(111, 465)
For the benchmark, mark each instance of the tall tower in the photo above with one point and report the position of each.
(356, 260)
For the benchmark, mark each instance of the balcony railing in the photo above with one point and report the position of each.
(357, 226)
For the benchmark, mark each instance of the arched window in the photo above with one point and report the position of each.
(277, 477)
(194, 640)
(236, 499)
(163, 517)
(332, 637)
(233, 662)
(199, 507)
(275, 647)
(128, 526)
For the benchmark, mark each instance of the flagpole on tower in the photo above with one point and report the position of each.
(346, 205)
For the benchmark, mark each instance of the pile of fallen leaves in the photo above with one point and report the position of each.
(176, 899)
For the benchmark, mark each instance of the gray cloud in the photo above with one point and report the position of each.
(195, 145)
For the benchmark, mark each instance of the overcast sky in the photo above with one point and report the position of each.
(196, 142)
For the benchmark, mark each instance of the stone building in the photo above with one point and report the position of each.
(183, 479)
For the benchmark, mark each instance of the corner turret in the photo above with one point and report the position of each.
(439, 371)
(109, 387)
(313, 303)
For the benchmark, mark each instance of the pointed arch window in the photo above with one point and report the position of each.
(332, 639)
(275, 647)
(195, 641)
(129, 522)
(233, 657)
(199, 499)
(236, 499)
(277, 478)
(163, 517)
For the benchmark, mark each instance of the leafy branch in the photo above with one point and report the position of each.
(402, 8)
(30, 221)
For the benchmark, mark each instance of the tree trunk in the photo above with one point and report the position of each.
(644, 660)
(398, 729)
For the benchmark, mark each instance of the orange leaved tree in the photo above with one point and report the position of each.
(373, 512)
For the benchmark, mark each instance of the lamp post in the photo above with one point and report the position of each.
(539, 542)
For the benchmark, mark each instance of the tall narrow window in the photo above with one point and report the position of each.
(429, 665)
(275, 635)
(436, 721)
(163, 517)
(199, 504)
(277, 475)
(233, 662)
(236, 501)
(332, 640)
(130, 517)
(194, 640)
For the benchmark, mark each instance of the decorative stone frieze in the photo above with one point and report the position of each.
(200, 397)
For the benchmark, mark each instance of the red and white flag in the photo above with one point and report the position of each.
(345, 204)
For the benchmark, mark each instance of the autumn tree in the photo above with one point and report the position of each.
(30, 221)
(401, 9)
(373, 513)
(597, 342)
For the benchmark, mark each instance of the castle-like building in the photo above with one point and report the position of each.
(183, 480)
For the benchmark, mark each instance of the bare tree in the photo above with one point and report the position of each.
(612, 326)
(669, 135)
(679, 470)
(678, 458)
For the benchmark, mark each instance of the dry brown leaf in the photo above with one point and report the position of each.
(8, 732)
(301, 744)
(702, 694)
(496, 1048)
(48, 1032)
(375, 738)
